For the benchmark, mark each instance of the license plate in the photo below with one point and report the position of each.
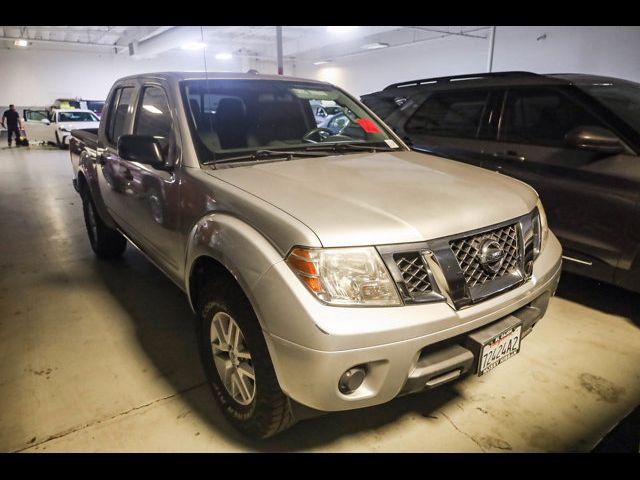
(499, 349)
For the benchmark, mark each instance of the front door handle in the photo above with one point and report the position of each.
(509, 155)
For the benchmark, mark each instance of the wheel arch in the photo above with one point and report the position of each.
(226, 247)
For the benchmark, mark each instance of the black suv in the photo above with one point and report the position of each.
(575, 138)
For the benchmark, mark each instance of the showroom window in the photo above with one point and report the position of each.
(154, 117)
(451, 114)
(118, 118)
(542, 117)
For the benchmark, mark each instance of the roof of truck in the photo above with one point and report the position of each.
(178, 76)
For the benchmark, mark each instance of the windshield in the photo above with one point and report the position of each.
(621, 97)
(77, 117)
(230, 117)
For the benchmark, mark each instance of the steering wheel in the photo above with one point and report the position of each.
(320, 133)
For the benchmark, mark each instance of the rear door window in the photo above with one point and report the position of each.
(542, 116)
(450, 114)
(118, 113)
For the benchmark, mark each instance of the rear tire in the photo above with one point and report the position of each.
(105, 242)
(257, 407)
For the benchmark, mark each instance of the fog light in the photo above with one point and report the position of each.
(351, 380)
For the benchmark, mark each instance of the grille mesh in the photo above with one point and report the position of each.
(414, 273)
(467, 252)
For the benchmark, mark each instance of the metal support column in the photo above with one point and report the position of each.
(492, 44)
(279, 43)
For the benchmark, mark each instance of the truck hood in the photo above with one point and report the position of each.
(384, 198)
(78, 125)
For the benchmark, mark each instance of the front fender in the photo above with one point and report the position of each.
(240, 248)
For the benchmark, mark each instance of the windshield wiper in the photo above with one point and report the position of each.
(264, 154)
(341, 146)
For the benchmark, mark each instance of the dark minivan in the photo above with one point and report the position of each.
(575, 138)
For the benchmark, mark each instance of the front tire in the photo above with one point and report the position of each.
(105, 242)
(237, 363)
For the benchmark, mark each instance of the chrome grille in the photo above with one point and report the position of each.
(467, 252)
(414, 273)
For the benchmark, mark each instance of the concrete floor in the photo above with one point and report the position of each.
(98, 356)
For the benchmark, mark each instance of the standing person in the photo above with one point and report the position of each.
(13, 123)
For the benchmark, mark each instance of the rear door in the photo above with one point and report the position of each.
(589, 196)
(152, 197)
(453, 123)
(115, 179)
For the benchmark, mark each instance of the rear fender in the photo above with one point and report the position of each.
(88, 167)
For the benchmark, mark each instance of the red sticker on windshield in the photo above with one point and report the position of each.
(368, 126)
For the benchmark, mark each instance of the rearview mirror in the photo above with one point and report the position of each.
(142, 149)
(45, 121)
(597, 139)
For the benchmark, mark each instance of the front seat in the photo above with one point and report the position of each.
(231, 123)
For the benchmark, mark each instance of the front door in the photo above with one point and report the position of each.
(590, 197)
(34, 127)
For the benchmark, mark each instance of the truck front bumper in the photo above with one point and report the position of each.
(427, 345)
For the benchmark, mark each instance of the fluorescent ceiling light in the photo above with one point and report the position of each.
(152, 109)
(194, 46)
(340, 29)
(21, 43)
(374, 46)
(321, 62)
(223, 56)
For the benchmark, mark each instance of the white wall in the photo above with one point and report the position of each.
(613, 51)
(38, 77)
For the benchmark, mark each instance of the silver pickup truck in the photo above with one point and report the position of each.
(329, 267)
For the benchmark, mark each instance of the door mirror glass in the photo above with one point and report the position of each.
(142, 149)
(593, 138)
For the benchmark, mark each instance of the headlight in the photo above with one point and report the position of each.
(345, 276)
(544, 226)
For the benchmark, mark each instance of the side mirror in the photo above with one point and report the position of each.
(596, 139)
(45, 121)
(142, 149)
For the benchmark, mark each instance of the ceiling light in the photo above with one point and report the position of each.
(340, 29)
(21, 42)
(321, 62)
(223, 56)
(374, 46)
(194, 46)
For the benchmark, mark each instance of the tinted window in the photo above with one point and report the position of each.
(95, 106)
(542, 116)
(455, 114)
(154, 117)
(623, 98)
(118, 115)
